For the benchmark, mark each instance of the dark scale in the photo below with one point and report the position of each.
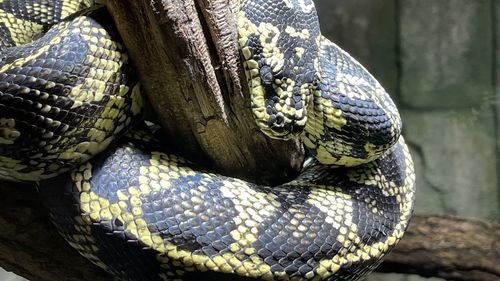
(5, 41)
(295, 255)
(355, 270)
(38, 95)
(47, 16)
(366, 122)
(187, 232)
(373, 227)
(393, 166)
(116, 246)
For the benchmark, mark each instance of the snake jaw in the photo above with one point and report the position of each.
(278, 101)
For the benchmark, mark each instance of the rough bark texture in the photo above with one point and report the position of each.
(190, 76)
(30, 245)
(451, 248)
(187, 62)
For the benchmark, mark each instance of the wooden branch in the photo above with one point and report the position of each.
(190, 76)
(187, 58)
(451, 248)
(29, 244)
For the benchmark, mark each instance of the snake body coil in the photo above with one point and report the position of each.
(64, 97)
(142, 213)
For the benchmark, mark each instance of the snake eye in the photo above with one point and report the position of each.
(266, 75)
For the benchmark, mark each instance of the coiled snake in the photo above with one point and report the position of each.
(144, 214)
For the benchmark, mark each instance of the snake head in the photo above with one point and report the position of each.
(278, 45)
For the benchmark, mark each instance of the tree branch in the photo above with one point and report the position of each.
(451, 248)
(29, 244)
(186, 55)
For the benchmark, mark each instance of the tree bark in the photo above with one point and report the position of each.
(30, 245)
(186, 56)
(451, 248)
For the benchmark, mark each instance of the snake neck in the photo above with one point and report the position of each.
(351, 118)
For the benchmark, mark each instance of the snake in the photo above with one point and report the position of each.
(72, 120)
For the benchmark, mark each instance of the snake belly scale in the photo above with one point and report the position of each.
(142, 213)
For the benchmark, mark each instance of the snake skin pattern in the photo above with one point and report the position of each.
(64, 97)
(288, 63)
(142, 213)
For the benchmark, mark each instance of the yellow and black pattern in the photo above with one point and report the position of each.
(302, 84)
(143, 213)
(353, 119)
(64, 97)
(278, 57)
(329, 224)
(21, 21)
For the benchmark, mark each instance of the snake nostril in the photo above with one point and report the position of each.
(118, 222)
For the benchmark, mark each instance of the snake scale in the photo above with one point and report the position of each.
(143, 213)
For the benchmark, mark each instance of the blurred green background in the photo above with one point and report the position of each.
(439, 61)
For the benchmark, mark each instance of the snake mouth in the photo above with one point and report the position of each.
(279, 108)
(276, 127)
(281, 124)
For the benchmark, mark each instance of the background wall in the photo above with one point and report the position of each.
(439, 61)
